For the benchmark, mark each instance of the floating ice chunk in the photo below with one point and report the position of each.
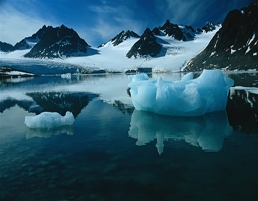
(187, 97)
(66, 75)
(49, 120)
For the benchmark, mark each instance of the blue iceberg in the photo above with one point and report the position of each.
(187, 97)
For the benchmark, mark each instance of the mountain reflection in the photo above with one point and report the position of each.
(207, 131)
(60, 102)
(242, 110)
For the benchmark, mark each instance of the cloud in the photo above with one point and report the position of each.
(184, 12)
(111, 20)
(17, 24)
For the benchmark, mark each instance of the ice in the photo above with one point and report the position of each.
(207, 131)
(49, 120)
(187, 97)
(66, 75)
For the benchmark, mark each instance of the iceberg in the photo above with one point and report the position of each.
(49, 120)
(186, 97)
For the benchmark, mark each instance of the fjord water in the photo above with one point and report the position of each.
(113, 152)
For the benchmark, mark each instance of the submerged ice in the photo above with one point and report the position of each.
(187, 97)
(49, 120)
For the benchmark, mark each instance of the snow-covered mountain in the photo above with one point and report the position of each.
(29, 42)
(59, 42)
(126, 51)
(154, 44)
(121, 37)
(169, 47)
(146, 45)
(179, 32)
(234, 46)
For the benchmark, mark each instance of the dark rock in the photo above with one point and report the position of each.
(234, 46)
(156, 31)
(100, 71)
(57, 43)
(172, 30)
(131, 72)
(209, 27)
(181, 32)
(146, 45)
(5, 47)
(121, 37)
(29, 42)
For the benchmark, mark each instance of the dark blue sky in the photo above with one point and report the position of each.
(97, 21)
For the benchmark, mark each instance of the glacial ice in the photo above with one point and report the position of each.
(49, 120)
(187, 97)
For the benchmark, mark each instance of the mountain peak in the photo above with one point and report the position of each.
(121, 37)
(58, 42)
(209, 27)
(146, 45)
(234, 46)
(5, 47)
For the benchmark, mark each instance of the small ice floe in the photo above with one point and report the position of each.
(49, 120)
(187, 97)
(66, 75)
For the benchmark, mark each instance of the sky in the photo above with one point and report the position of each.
(98, 21)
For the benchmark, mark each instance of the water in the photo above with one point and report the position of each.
(115, 153)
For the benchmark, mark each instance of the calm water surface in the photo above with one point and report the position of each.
(113, 152)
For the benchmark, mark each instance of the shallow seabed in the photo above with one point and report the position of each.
(113, 152)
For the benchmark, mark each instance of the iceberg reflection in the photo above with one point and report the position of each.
(48, 132)
(207, 131)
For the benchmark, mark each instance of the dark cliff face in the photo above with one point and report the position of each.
(5, 47)
(234, 46)
(57, 43)
(146, 45)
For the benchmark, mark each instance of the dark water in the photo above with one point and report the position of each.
(112, 152)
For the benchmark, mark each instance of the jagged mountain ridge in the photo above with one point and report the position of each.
(166, 43)
(170, 54)
(59, 42)
(146, 45)
(121, 37)
(29, 42)
(149, 44)
(5, 47)
(234, 46)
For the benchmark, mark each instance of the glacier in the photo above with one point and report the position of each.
(49, 120)
(186, 97)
